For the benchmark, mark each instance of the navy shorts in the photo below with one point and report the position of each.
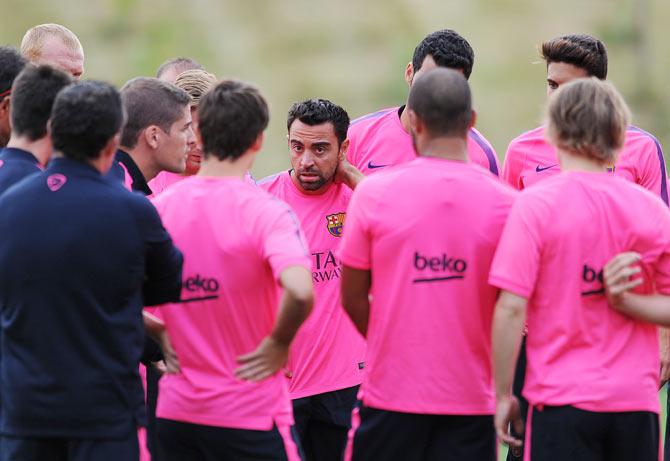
(390, 435)
(323, 421)
(568, 433)
(70, 449)
(179, 441)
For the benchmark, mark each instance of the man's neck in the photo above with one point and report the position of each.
(404, 118)
(143, 160)
(572, 162)
(40, 148)
(448, 148)
(212, 166)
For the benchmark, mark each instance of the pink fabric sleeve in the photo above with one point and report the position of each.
(517, 259)
(283, 240)
(355, 249)
(652, 168)
(511, 172)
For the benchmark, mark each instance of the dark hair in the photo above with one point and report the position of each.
(11, 64)
(580, 50)
(33, 96)
(85, 116)
(231, 116)
(448, 49)
(149, 101)
(181, 63)
(442, 100)
(317, 111)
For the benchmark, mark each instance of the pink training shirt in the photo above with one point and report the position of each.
(530, 159)
(236, 241)
(559, 236)
(427, 230)
(328, 353)
(165, 179)
(379, 140)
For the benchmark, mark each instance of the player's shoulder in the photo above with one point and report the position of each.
(365, 122)
(273, 183)
(638, 136)
(533, 136)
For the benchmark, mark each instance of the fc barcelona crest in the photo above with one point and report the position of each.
(335, 222)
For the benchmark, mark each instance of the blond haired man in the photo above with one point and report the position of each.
(56, 46)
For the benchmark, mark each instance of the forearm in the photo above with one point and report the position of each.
(292, 313)
(153, 326)
(648, 308)
(356, 297)
(507, 333)
(353, 177)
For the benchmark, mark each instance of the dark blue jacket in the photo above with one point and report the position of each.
(79, 258)
(16, 164)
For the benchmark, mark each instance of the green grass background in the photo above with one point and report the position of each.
(354, 52)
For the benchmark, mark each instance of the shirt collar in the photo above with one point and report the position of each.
(14, 153)
(139, 182)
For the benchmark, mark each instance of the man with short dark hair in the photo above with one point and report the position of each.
(170, 69)
(11, 64)
(326, 361)
(30, 147)
(416, 253)
(157, 133)
(383, 138)
(531, 159)
(74, 392)
(231, 330)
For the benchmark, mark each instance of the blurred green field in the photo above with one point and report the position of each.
(355, 52)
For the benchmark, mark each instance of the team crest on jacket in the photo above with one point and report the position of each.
(335, 222)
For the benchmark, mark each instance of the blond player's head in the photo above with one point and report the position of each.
(56, 46)
(588, 117)
(196, 83)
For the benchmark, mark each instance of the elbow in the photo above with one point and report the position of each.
(303, 299)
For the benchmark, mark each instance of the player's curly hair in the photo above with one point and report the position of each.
(448, 49)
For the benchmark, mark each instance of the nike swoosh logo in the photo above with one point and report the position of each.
(372, 166)
(539, 169)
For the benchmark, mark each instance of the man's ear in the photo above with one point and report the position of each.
(473, 121)
(5, 105)
(344, 147)
(409, 73)
(151, 135)
(258, 143)
(415, 123)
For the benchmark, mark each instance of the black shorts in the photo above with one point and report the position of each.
(568, 433)
(389, 435)
(178, 441)
(323, 421)
(70, 449)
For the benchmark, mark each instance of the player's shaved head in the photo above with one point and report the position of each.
(441, 99)
(170, 69)
(56, 46)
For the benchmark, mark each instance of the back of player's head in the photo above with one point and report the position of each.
(441, 99)
(448, 49)
(580, 50)
(149, 101)
(232, 116)
(84, 118)
(11, 64)
(196, 83)
(588, 117)
(317, 111)
(177, 66)
(34, 39)
(33, 95)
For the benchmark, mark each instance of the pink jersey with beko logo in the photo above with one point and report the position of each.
(328, 353)
(530, 159)
(558, 237)
(427, 230)
(236, 241)
(379, 140)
